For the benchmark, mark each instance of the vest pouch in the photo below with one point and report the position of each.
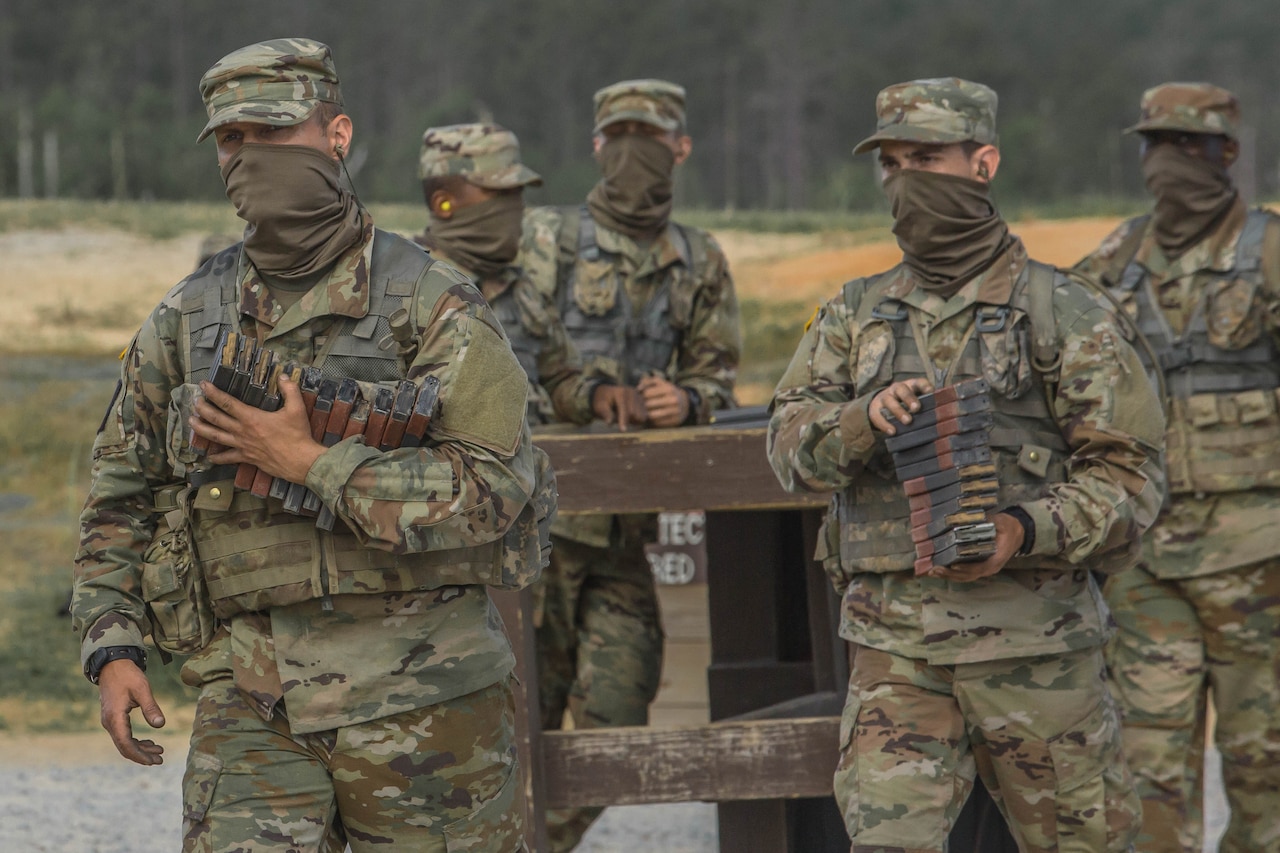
(178, 605)
(1234, 320)
(182, 405)
(1005, 350)
(875, 534)
(1224, 442)
(827, 551)
(681, 287)
(595, 287)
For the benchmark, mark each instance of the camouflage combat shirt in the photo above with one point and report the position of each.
(821, 439)
(1206, 534)
(706, 360)
(372, 655)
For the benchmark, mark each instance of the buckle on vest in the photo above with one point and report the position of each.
(992, 318)
(880, 312)
(1177, 357)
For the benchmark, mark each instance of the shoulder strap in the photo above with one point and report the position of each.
(1249, 246)
(868, 308)
(684, 248)
(399, 270)
(1046, 348)
(588, 247)
(1123, 256)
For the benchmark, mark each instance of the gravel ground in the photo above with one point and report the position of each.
(77, 797)
(88, 800)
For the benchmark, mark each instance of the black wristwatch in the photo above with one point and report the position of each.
(93, 666)
(1028, 527)
(695, 401)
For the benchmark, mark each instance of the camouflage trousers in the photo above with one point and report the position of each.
(441, 778)
(599, 649)
(1178, 639)
(1042, 732)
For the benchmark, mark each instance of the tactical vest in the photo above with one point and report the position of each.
(1222, 373)
(1014, 347)
(598, 314)
(252, 554)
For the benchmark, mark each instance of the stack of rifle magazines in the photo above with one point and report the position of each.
(943, 460)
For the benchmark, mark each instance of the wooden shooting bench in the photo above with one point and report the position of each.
(778, 670)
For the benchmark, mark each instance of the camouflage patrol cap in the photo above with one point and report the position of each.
(654, 102)
(278, 82)
(1189, 107)
(485, 154)
(941, 110)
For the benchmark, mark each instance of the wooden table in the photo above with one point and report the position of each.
(778, 667)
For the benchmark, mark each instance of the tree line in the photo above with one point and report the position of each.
(102, 98)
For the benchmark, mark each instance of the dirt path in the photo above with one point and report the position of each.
(78, 290)
(812, 272)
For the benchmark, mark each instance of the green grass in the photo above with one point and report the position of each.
(46, 432)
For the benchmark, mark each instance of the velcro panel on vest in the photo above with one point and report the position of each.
(208, 304)
(365, 571)
(488, 379)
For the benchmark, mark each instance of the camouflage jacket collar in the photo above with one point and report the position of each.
(1215, 253)
(343, 291)
(490, 288)
(644, 261)
(993, 286)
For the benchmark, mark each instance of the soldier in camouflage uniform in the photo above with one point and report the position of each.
(353, 685)
(649, 303)
(1201, 275)
(992, 668)
(473, 183)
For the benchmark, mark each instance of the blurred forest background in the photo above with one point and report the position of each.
(100, 99)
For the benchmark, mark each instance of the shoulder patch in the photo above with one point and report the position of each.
(817, 312)
(486, 403)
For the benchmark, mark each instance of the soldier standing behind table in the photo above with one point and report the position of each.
(473, 182)
(992, 668)
(354, 685)
(649, 303)
(1201, 274)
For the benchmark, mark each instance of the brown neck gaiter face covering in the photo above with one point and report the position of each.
(484, 238)
(947, 227)
(300, 219)
(634, 196)
(1192, 195)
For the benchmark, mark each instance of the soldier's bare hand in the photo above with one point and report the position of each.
(278, 442)
(618, 404)
(122, 686)
(898, 400)
(666, 402)
(1009, 537)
